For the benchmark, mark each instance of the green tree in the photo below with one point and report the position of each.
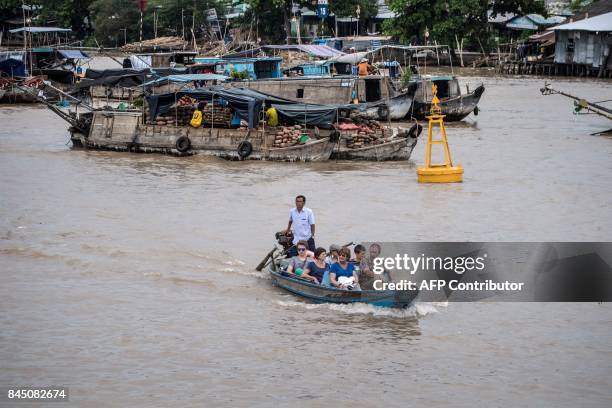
(111, 17)
(452, 21)
(347, 8)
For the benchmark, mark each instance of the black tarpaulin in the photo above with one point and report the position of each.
(103, 73)
(323, 116)
(246, 103)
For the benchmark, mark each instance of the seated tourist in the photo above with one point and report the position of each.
(359, 255)
(332, 258)
(366, 275)
(341, 274)
(317, 269)
(298, 262)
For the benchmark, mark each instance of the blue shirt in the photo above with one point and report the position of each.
(337, 269)
(317, 272)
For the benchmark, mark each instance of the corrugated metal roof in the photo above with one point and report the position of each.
(602, 22)
(323, 51)
(189, 78)
(41, 30)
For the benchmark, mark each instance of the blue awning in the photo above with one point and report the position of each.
(73, 54)
(40, 30)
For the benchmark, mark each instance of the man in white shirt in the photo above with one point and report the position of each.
(303, 222)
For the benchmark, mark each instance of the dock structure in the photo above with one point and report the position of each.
(552, 69)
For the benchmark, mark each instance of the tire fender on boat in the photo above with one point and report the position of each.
(383, 112)
(183, 144)
(334, 136)
(245, 148)
(415, 131)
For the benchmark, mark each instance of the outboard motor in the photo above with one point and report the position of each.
(284, 239)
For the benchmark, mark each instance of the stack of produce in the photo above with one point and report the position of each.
(179, 115)
(368, 134)
(287, 135)
(183, 112)
(217, 115)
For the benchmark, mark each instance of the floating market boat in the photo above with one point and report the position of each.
(384, 99)
(455, 105)
(123, 131)
(232, 127)
(322, 294)
(398, 148)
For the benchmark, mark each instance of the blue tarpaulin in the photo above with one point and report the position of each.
(73, 54)
(12, 67)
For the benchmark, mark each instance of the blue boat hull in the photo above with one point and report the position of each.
(320, 294)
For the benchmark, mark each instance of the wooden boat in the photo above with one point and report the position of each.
(398, 148)
(321, 294)
(453, 103)
(123, 131)
(379, 92)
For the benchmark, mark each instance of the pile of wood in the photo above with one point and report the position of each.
(368, 134)
(156, 44)
(287, 135)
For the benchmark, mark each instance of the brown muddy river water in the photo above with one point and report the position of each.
(130, 278)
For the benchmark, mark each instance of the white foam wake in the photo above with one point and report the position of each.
(414, 311)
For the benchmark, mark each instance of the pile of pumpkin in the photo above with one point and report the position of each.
(286, 136)
(368, 134)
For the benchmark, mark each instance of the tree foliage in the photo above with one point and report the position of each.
(449, 20)
(347, 8)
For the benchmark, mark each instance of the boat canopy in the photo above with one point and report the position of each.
(73, 54)
(323, 116)
(248, 104)
(127, 78)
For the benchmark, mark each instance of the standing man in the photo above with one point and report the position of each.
(271, 115)
(303, 222)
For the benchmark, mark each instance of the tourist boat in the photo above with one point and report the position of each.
(455, 105)
(321, 294)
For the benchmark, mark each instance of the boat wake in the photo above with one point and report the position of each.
(415, 311)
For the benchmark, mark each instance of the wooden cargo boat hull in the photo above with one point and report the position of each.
(321, 294)
(384, 100)
(123, 131)
(455, 108)
(397, 149)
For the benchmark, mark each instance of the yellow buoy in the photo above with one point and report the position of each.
(439, 172)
